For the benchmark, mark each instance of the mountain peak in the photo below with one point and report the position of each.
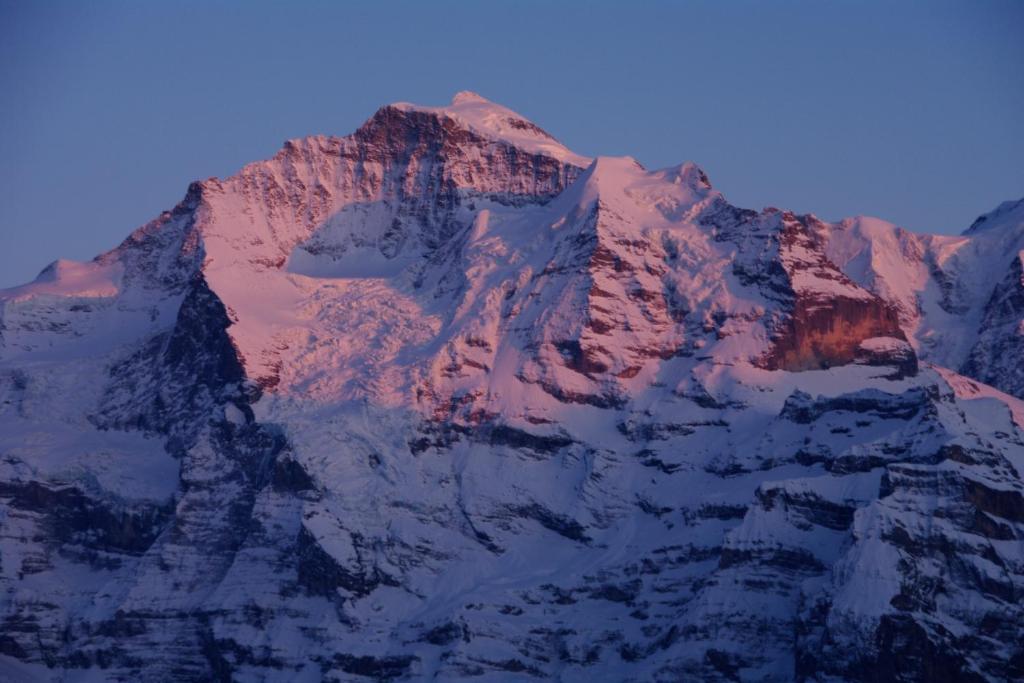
(686, 173)
(623, 183)
(496, 122)
(1009, 213)
(465, 96)
(432, 400)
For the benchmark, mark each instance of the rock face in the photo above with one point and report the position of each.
(829, 316)
(443, 400)
(994, 357)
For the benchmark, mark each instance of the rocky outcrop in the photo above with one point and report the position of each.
(827, 316)
(945, 615)
(888, 351)
(173, 382)
(822, 334)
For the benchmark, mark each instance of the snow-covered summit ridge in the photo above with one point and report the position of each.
(392, 198)
(467, 96)
(501, 123)
(1008, 215)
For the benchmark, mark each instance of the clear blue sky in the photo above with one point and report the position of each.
(911, 111)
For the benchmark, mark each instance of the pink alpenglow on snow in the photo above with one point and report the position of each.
(442, 399)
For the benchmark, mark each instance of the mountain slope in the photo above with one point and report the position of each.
(442, 399)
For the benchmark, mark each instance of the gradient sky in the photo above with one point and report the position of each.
(911, 111)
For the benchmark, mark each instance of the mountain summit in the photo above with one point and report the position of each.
(444, 400)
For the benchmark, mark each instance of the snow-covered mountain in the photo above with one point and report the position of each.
(443, 400)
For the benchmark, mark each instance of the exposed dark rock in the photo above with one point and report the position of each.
(560, 524)
(72, 516)
(376, 668)
(320, 574)
(803, 409)
(505, 435)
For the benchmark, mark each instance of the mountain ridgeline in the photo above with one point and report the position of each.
(443, 400)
